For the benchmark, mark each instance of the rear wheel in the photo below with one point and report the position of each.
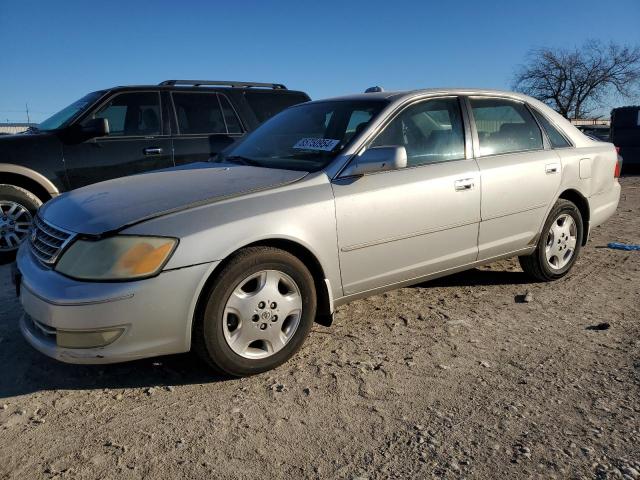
(559, 244)
(17, 208)
(257, 314)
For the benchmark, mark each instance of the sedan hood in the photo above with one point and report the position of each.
(114, 204)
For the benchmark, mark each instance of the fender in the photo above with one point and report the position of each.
(43, 181)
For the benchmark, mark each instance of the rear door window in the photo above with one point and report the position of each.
(199, 113)
(504, 126)
(266, 104)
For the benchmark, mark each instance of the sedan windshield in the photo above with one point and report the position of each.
(305, 137)
(68, 113)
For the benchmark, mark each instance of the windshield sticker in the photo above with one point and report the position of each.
(322, 144)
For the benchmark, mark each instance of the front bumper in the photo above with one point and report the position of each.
(154, 314)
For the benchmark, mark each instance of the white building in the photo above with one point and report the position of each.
(11, 128)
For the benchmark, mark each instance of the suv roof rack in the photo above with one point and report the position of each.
(198, 83)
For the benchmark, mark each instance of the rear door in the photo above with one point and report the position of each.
(136, 142)
(520, 174)
(399, 225)
(206, 124)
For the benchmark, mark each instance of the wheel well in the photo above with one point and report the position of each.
(323, 315)
(26, 183)
(583, 206)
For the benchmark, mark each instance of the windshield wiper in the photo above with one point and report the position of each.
(240, 160)
(32, 129)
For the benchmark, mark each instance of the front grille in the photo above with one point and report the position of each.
(47, 241)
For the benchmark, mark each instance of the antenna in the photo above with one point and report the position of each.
(27, 108)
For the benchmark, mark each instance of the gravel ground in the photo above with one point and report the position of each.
(457, 378)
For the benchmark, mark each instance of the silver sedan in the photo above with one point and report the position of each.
(327, 202)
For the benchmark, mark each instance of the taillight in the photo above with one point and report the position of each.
(618, 167)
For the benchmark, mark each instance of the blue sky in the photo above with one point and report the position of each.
(53, 52)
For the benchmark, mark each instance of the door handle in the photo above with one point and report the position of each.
(152, 151)
(552, 168)
(463, 185)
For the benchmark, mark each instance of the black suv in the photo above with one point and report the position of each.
(125, 130)
(625, 135)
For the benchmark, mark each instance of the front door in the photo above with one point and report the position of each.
(399, 225)
(135, 143)
(207, 123)
(520, 177)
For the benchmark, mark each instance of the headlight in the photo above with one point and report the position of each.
(116, 258)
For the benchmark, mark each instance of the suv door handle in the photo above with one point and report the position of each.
(463, 184)
(552, 168)
(152, 151)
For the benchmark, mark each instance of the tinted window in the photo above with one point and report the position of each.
(555, 137)
(305, 137)
(230, 117)
(504, 126)
(132, 114)
(430, 131)
(265, 104)
(198, 113)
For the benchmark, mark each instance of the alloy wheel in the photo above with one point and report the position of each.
(262, 314)
(561, 242)
(15, 222)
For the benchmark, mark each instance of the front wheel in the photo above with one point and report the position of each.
(258, 312)
(559, 244)
(17, 208)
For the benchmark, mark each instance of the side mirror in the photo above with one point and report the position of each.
(377, 159)
(96, 127)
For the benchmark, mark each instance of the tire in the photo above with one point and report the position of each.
(561, 250)
(16, 205)
(256, 314)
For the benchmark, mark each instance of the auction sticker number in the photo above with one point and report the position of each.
(322, 144)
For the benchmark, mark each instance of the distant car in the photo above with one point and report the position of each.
(625, 135)
(324, 203)
(599, 132)
(125, 130)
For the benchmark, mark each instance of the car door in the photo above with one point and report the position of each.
(520, 174)
(403, 224)
(136, 142)
(207, 123)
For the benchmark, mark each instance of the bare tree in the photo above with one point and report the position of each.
(575, 82)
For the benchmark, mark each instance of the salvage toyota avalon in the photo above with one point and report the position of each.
(326, 202)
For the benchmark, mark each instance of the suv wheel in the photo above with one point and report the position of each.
(257, 314)
(17, 208)
(559, 243)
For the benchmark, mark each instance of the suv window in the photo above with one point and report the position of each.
(230, 117)
(198, 113)
(505, 126)
(132, 114)
(430, 131)
(266, 104)
(555, 137)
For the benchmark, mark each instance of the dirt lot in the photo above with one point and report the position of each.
(453, 378)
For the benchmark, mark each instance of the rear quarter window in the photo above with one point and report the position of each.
(266, 104)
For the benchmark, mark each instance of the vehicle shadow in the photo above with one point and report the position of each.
(33, 372)
(476, 277)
